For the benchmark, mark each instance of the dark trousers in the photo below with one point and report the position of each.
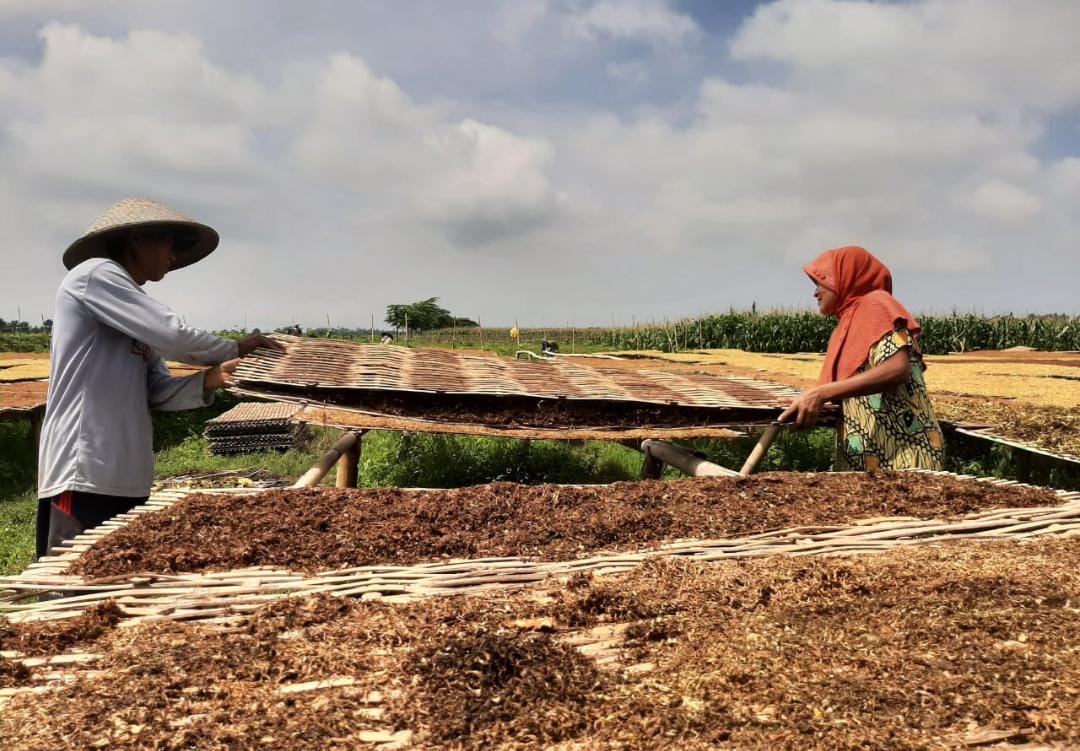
(64, 516)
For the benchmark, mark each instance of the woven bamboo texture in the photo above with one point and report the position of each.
(230, 594)
(253, 413)
(253, 427)
(316, 364)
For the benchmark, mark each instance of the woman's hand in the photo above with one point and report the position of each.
(805, 408)
(253, 342)
(220, 376)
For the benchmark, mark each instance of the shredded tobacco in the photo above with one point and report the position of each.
(326, 528)
(933, 646)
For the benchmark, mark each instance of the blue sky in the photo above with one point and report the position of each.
(549, 161)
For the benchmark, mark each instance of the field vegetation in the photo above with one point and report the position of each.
(774, 331)
(783, 331)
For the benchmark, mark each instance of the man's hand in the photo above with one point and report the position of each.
(253, 342)
(220, 376)
(805, 409)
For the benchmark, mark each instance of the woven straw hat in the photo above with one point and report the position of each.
(194, 240)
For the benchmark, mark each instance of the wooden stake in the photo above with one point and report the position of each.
(314, 476)
(766, 440)
(651, 467)
(36, 418)
(348, 466)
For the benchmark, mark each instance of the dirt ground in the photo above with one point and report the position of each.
(326, 528)
(949, 646)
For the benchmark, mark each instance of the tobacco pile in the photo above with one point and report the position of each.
(53, 637)
(1050, 428)
(924, 647)
(23, 395)
(321, 529)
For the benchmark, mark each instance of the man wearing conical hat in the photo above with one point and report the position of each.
(109, 341)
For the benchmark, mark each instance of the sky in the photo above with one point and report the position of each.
(551, 162)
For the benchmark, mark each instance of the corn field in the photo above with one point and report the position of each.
(773, 332)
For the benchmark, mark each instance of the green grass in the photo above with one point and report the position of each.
(18, 514)
(18, 501)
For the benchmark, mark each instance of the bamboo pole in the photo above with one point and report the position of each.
(680, 458)
(766, 440)
(348, 466)
(314, 476)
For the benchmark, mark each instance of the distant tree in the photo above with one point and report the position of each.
(423, 316)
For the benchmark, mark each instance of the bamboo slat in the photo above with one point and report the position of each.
(229, 594)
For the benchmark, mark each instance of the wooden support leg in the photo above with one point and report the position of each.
(760, 450)
(37, 417)
(348, 466)
(1025, 465)
(651, 467)
(314, 476)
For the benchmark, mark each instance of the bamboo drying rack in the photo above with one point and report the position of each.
(225, 596)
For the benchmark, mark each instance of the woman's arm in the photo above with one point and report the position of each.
(806, 408)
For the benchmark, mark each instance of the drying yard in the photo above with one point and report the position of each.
(780, 610)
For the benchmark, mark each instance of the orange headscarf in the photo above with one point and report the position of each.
(864, 304)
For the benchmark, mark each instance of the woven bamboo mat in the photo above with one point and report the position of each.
(251, 414)
(322, 364)
(229, 594)
(253, 427)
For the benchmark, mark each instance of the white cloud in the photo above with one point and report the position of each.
(1004, 203)
(651, 21)
(994, 54)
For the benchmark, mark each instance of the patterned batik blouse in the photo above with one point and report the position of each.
(896, 429)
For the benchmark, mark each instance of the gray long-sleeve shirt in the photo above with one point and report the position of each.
(107, 373)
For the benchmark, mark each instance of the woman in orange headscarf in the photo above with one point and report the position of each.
(873, 369)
